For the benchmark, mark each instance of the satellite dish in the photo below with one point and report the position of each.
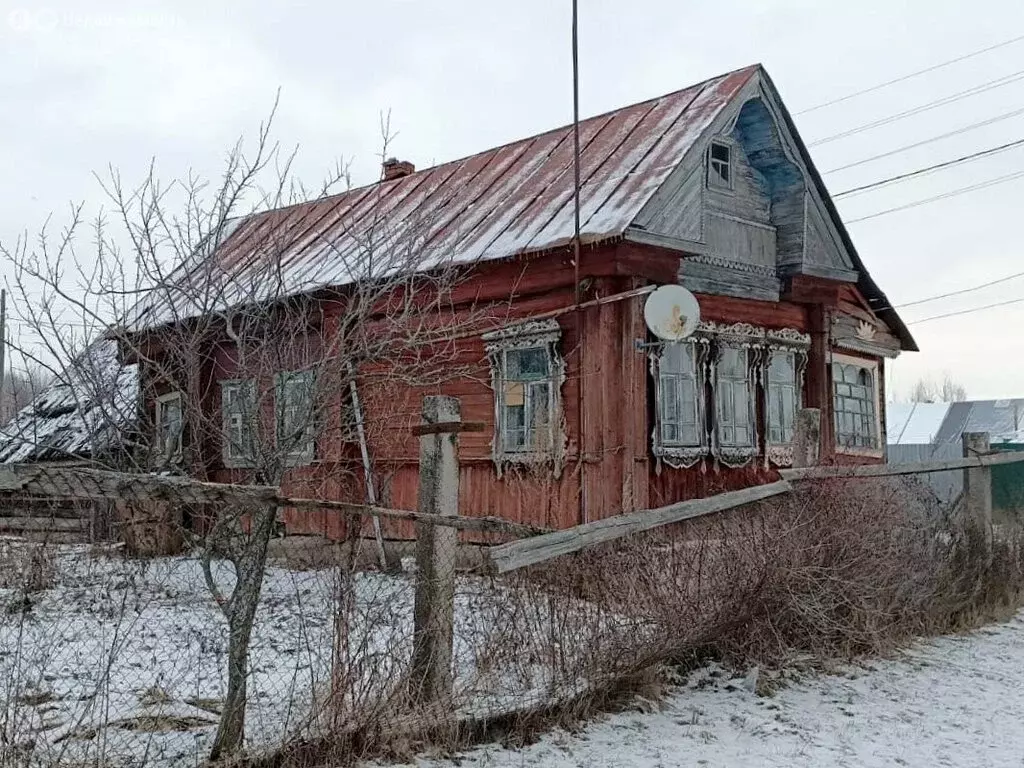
(672, 313)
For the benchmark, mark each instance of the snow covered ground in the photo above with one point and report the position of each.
(123, 662)
(954, 701)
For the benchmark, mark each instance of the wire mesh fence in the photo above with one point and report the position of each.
(119, 654)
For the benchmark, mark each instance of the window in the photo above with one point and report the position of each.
(678, 405)
(526, 386)
(856, 410)
(733, 401)
(238, 405)
(681, 437)
(527, 374)
(782, 396)
(296, 422)
(711, 392)
(169, 425)
(720, 165)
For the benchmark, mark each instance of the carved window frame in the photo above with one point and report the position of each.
(678, 453)
(164, 450)
(871, 367)
(238, 421)
(748, 339)
(296, 421)
(788, 342)
(542, 335)
(708, 344)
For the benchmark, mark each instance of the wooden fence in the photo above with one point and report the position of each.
(437, 517)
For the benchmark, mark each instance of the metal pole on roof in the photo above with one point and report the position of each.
(576, 146)
(584, 517)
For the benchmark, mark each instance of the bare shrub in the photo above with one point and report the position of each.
(26, 566)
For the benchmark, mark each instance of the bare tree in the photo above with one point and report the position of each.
(20, 388)
(928, 390)
(251, 361)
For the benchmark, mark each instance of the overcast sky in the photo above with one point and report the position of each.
(90, 83)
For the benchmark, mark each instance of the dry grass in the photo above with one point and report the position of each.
(829, 573)
(26, 566)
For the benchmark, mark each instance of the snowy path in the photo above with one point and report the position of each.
(954, 701)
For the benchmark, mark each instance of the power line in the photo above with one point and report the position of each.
(961, 291)
(943, 196)
(931, 168)
(967, 311)
(999, 82)
(923, 142)
(903, 78)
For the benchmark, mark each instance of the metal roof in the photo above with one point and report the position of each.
(914, 423)
(510, 200)
(1002, 419)
(87, 410)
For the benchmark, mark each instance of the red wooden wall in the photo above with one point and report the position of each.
(605, 399)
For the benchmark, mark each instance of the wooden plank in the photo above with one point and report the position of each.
(96, 485)
(520, 554)
(893, 470)
(41, 524)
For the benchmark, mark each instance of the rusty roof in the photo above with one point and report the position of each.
(510, 200)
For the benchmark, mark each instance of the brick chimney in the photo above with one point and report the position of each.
(397, 169)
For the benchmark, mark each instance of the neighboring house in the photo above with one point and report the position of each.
(1002, 419)
(710, 187)
(85, 413)
(945, 423)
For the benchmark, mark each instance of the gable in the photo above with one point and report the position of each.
(773, 221)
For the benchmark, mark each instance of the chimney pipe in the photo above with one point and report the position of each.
(397, 169)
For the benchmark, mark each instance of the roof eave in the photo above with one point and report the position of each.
(865, 283)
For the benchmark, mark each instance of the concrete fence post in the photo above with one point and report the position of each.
(978, 485)
(807, 437)
(434, 611)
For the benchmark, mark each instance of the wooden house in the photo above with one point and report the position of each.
(585, 415)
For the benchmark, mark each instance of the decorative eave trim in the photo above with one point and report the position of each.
(529, 333)
(865, 347)
(788, 337)
(737, 266)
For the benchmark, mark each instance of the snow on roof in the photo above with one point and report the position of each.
(914, 423)
(997, 417)
(84, 411)
(507, 201)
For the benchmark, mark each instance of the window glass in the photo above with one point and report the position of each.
(855, 406)
(526, 399)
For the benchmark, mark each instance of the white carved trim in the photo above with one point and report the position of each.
(789, 337)
(738, 266)
(780, 455)
(534, 333)
(520, 335)
(856, 345)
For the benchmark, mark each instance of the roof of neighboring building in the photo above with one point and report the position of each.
(82, 413)
(511, 200)
(914, 423)
(1002, 419)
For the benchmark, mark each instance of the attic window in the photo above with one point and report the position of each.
(720, 165)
